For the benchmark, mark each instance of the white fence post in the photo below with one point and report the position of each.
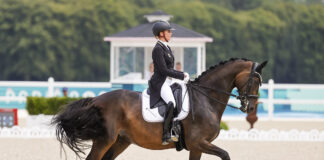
(50, 90)
(270, 99)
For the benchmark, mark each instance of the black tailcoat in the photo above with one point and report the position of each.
(163, 61)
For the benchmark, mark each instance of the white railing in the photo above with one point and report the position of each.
(270, 101)
(51, 83)
(10, 95)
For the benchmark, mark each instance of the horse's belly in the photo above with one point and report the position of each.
(148, 135)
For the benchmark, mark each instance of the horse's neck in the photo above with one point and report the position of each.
(221, 79)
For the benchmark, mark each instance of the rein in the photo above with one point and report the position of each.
(197, 87)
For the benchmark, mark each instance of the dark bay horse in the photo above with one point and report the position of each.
(114, 120)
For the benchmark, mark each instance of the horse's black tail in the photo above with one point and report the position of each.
(79, 121)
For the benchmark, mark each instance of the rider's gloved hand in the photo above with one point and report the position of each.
(186, 78)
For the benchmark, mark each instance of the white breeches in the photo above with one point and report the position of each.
(166, 92)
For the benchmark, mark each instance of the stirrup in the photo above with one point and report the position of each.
(174, 136)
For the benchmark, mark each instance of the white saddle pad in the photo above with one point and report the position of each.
(152, 115)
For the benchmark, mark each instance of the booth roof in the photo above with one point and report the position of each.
(145, 30)
(158, 13)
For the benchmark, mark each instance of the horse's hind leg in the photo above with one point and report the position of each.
(100, 147)
(207, 147)
(194, 155)
(118, 147)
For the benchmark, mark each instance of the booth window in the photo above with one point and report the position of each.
(190, 61)
(129, 63)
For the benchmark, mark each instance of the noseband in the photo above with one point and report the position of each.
(244, 98)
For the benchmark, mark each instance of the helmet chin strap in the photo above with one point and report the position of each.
(164, 37)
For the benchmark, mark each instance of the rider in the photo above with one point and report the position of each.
(160, 81)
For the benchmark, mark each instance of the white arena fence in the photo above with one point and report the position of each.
(39, 127)
(34, 132)
(232, 134)
(36, 127)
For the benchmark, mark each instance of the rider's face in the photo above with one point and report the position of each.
(166, 35)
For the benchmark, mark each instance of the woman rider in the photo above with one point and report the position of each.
(159, 84)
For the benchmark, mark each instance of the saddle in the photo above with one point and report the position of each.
(177, 93)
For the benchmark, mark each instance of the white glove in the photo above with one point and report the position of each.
(187, 77)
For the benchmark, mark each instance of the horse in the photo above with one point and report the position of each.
(113, 121)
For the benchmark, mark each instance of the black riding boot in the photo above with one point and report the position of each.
(167, 124)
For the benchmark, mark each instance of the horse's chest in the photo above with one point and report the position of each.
(211, 127)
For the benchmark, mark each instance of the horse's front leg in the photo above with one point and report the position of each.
(207, 147)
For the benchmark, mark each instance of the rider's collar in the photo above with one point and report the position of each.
(166, 44)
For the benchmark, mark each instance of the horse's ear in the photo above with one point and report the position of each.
(259, 67)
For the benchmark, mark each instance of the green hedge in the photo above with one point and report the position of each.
(47, 106)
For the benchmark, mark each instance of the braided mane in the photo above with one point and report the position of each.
(218, 65)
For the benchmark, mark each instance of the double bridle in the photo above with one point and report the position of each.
(244, 98)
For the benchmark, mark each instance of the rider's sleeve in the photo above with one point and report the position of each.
(159, 62)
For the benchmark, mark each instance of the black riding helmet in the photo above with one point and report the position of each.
(161, 26)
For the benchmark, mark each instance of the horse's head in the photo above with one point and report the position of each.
(218, 81)
(248, 83)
